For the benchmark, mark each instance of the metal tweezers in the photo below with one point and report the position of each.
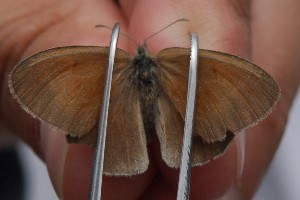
(185, 168)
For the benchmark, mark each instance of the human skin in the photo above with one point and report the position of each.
(263, 31)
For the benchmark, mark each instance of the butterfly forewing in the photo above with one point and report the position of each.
(234, 91)
(62, 86)
(232, 94)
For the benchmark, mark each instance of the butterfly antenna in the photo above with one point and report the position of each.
(123, 34)
(179, 20)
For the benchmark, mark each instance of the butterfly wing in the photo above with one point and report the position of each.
(128, 152)
(169, 128)
(64, 87)
(232, 94)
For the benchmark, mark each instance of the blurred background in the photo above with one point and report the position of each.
(281, 182)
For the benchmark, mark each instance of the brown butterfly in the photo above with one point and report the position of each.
(64, 87)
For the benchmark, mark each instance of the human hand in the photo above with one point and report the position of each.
(238, 27)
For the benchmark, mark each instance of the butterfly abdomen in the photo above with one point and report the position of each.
(144, 76)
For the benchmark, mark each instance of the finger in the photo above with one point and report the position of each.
(226, 28)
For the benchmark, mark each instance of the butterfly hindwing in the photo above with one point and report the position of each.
(126, 144)
(169, 128)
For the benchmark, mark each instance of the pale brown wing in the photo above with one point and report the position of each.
(64, 87)
(232, 94)
(126, 144)
(170, 126)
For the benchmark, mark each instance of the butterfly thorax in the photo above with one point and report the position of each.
(144, 74)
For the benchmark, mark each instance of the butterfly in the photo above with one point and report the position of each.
(64, 86)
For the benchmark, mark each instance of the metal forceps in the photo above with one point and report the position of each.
(184, 177)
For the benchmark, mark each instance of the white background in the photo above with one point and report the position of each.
(281, 182)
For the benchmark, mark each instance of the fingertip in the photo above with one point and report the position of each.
(77, 171)
(54, 151)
